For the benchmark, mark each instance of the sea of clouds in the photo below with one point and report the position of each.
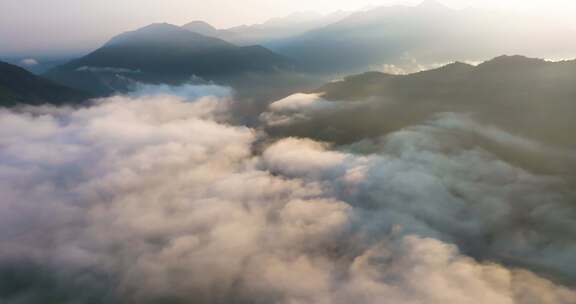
(156, 197)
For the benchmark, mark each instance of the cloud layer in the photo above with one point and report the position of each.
(156, 198)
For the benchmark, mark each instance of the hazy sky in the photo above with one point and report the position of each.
(38, 26)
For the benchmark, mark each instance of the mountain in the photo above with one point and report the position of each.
(276, 29)
(429, 33)
(164, 53)
(533, 98)
(203, 28)
(18, 86)
(269, 31)
(431, 5)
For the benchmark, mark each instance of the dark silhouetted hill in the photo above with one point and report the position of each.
(164, 53)
(18, 86)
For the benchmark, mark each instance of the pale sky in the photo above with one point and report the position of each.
(40, 26)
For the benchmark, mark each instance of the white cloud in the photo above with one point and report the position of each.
(301, 107)
(151, 197)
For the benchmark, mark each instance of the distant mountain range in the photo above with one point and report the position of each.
(18, 86)
(164, 53)
(270, 31)
(307, 47)
(516, 93)
(428, 33)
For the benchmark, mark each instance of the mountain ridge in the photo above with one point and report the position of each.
(517, 93)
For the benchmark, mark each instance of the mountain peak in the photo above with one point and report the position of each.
(147, 32)
(432, 4)
(201, 27)
(204, 28)
(199, 24)
(165, 34)
(163, 26)
(458, 66)
(516, 60)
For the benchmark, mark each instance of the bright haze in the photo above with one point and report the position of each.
(38, 27)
